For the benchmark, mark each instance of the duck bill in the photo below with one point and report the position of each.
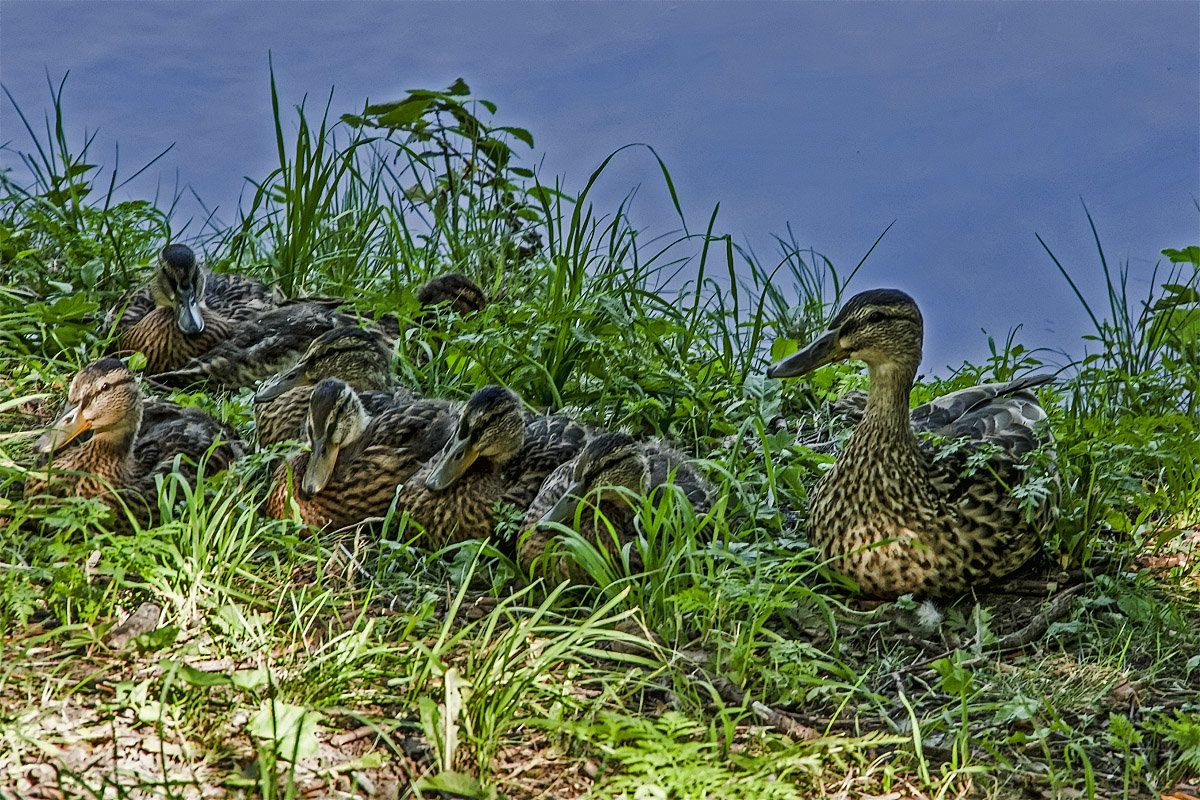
(821, 351)
(450, 465)
(69, 425)
(279, 384)
(187, 314)
(563, 512)
(319, 471)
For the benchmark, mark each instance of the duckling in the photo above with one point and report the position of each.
(497, 455)
(356, 460)
(358, 356)
(111, 443)
(186, 310)
(462, 294)
(611, 470)
(890, 515)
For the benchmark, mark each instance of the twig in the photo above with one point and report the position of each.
(1055, 610)
(733, 695)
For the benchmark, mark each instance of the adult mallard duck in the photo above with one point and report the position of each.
(186, 310)
(610, 473)
(356, 460)
(360, 357)
(891, 515)
(497, 455)
(111, 443)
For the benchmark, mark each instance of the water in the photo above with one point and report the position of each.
(971, 126)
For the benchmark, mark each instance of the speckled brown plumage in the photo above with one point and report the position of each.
(888, 514)
(186, 311)
(263, 346)
(610, 471)
(356, 460)
(498, 456)
(460, 293)
(111, 444)
(358, 356)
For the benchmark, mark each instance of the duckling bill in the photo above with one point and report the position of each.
(356, 460)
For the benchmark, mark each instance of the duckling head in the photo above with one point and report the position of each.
(179, 285)
(105, 401)
(491, 427)
(608, 468)
(461, 293)
(361, 357)
(335, 423)
(882, 327)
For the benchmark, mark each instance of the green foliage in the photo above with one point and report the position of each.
(676, 757)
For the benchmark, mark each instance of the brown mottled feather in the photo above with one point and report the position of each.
(358, 356)
(135, 440)
(391, 446)
(515, 453)
(261, 347)
(605, 472)
(146, 320)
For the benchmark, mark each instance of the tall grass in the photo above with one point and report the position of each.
(663, 336)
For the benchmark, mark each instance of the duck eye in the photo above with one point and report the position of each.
(104, 386)
(875, 317)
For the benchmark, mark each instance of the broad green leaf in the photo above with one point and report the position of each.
(292, 730)
(196, 677)
(782, 348)
(1188, 255)
(403, 114)
(454, 783)
(250, 679)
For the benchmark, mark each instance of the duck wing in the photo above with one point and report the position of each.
(239, 298)
(419, 429)
(668, 465)
(260, 347)
(169, 429)
(550, 442)
(1005, 415)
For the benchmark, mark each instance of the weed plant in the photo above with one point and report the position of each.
(278, 646)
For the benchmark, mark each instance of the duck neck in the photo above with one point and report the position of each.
(109, 455)
(887, 412)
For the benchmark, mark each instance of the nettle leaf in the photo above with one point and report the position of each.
(404, 113)
(1188, 255)
(782, 348)
(956, 679)
(291, 730)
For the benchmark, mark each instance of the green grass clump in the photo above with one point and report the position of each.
(732, 663)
